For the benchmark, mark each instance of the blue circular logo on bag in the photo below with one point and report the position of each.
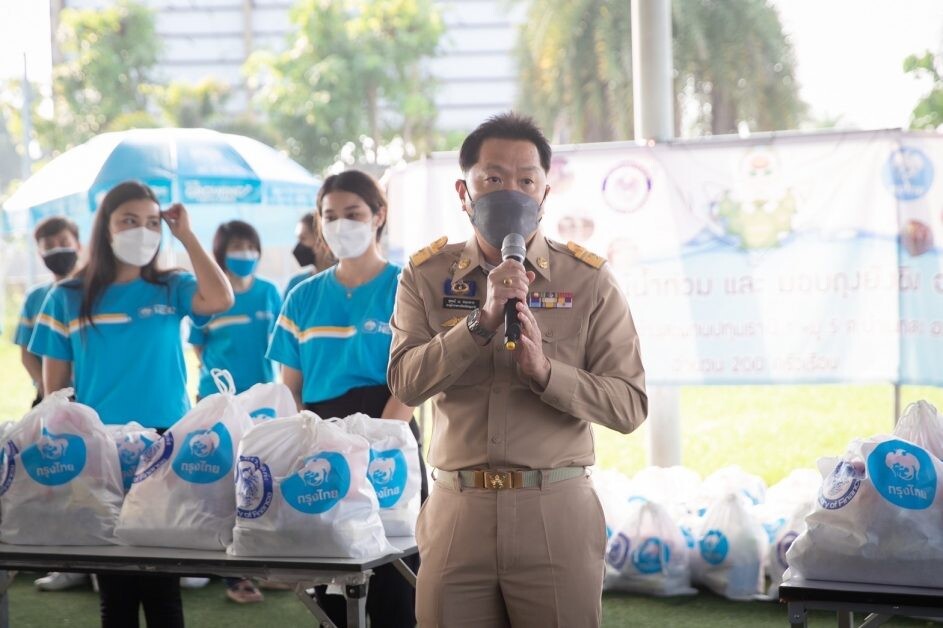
(908, 173)
(387, 473)
(154, 457)
(253, 487)
(130, 449)
(840, 486)
(651, 556)
(714, 547)
(7, 465)
(783, 546)
(56, 459)
(319, 485)
(903, 474)
(205, 455)
(618, 551)
(263, 413)
(773, 527)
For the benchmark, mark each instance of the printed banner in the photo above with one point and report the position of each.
(801, 259)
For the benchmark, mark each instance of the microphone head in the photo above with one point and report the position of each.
(513, 247)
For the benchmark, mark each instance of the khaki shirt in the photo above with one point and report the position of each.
(486, 412)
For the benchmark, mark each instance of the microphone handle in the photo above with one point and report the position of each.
(512, 326)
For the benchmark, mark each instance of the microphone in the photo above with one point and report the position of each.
(512, 248)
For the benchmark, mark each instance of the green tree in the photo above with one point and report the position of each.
(928, 113)
(732, 64)
(109, 56)
(188, 105)
(351, 67)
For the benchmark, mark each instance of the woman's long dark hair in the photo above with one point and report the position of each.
(102, 267)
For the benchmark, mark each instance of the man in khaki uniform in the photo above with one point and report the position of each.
(513, 533)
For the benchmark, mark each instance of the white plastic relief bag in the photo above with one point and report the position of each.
(268, 401)
(614, 489)
(785, 536)
(61, 480)
(731, 548)
(648, 554)
(920, 424)
(182, 495)
(131, 439)
(302, 490)
(393, 470)
(877, 518)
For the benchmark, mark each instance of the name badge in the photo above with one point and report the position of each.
(459, 288)
(456, 303)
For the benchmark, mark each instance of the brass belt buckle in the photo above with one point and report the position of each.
(497, 480)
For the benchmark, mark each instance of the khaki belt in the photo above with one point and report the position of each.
(500, 480)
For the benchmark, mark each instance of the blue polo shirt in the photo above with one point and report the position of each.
(337, 340)
(236, 340)
(128, 366)
(294, 281)
(29, 312)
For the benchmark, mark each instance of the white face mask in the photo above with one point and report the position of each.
(347, 238)
(136, 246)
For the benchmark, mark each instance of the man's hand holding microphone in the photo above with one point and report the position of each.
(506, 304)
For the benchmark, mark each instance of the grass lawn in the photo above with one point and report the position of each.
(767, 430)
(208, 608)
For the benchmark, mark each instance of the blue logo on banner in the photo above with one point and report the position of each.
(841, 486)
(130, 450)
(7, 465)
(714, 547)
(618, 551)
(205, 455)
(651, 556)
(908, 173)
(903, 474)
(263, 413)
(56, 459)
(319, 485)
(253, 488)
(154, 457)
(387, 473)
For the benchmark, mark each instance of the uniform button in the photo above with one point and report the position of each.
(549, 333)
(495, 439)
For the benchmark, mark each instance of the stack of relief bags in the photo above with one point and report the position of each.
(879, 511)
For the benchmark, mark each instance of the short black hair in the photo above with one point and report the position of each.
(307, 220)
(505, 126)
(227, 232)
(54, 225)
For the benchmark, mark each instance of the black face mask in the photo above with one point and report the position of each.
(303, 254)
(60, 260)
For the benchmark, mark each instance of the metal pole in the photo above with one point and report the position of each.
(653, 95)
(896, 403)
(26, 169)
(652, 79)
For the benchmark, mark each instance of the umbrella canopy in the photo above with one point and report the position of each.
(192, 166)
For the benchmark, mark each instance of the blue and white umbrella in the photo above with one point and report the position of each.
(192, 166)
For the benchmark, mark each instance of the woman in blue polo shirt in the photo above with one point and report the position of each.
(237, 339)
(115, 329)
(333, 341)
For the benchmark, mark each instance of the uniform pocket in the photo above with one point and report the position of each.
(562, 337)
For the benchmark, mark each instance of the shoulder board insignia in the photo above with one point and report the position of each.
(585, 256)
(421, 256)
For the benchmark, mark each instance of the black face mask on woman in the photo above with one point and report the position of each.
(303, 254)
(61, 260)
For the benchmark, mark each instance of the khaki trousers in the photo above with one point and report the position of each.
(520, 557)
